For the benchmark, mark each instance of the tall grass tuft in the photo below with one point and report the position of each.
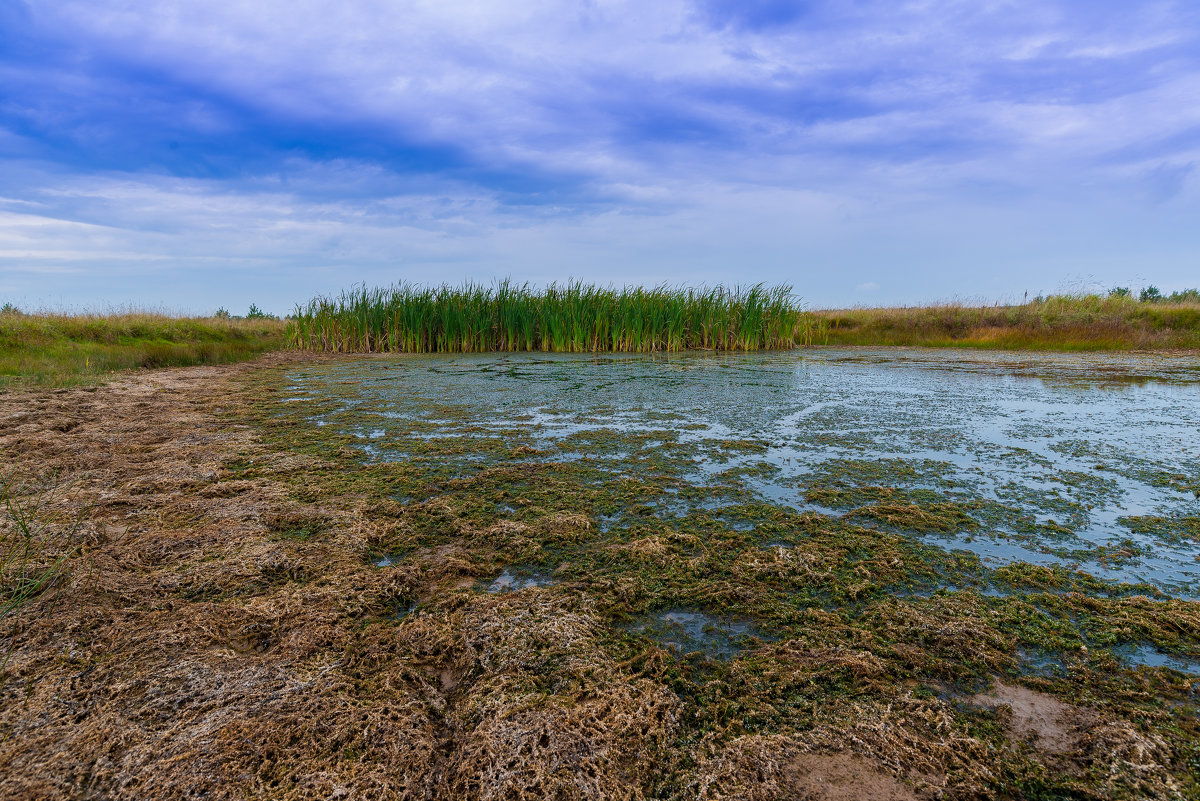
(33, 550)
(570, 318)
(32, 557)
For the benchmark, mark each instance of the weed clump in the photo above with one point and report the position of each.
(33, 550)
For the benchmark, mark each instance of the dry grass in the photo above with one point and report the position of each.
(1060, 322)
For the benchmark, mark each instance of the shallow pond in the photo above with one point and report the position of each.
(1090, 461)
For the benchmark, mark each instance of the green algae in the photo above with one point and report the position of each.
(831, 608)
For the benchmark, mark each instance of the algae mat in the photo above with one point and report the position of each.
(835, 574)
(1089, 461)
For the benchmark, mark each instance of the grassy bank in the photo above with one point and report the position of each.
(1059, 322)
(568, 319)
(59, 349)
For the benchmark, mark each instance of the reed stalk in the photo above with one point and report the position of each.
(562, 318)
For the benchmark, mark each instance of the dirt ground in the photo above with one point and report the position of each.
(203, 643)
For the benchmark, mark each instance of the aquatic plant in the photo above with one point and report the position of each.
(570, 318)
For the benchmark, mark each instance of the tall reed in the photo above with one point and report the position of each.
(570, 318)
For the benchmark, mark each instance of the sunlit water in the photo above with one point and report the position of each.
(1065, 445)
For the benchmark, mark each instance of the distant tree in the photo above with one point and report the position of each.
(221, 313)
(1184, 296)
(256, 313)
(9, 308)
(1119, 292)
(1150, 295)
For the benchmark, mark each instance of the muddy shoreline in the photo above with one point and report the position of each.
(223, 631)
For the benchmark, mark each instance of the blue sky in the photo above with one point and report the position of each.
(192, 154)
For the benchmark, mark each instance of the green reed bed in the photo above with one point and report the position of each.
(574, 318)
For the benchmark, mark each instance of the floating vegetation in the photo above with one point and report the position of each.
(968, 457)
(1175, 530)
(575, 318)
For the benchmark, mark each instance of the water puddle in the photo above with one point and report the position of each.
(510, 581)
(685, 631)
(1150, 656)
(403, 610)
(1040, 663)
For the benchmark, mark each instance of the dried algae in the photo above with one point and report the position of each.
(224, 630)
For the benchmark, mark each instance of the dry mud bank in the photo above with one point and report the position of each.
(251, 609)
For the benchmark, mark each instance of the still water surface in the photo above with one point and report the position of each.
(1064, 448)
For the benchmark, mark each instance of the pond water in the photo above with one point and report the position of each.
(1090, 461)
(510, 581)
(685, 631)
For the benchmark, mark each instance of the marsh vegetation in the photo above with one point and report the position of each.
(573, 318)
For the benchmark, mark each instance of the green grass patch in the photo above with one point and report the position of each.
(64, 350)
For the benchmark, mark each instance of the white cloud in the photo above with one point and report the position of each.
(969, 146)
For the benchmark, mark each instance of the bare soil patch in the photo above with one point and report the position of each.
(1051, 725)
(841, 777)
